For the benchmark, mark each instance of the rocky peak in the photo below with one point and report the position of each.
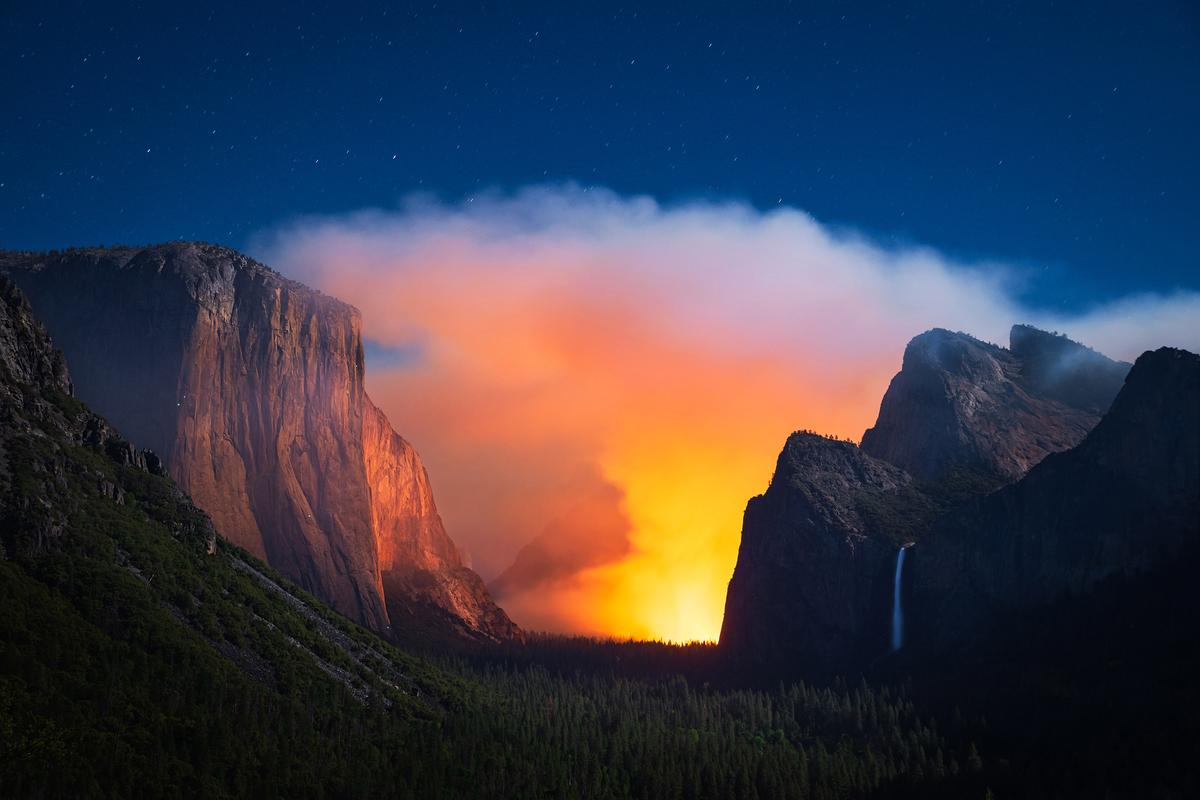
(823, 466)
(818, 560)
(955, 353)
(1162, 384)
(960, 403)
(1152, 429)
(826, 479)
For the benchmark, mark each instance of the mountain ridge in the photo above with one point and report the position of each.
(1125, 500)
(818, 562)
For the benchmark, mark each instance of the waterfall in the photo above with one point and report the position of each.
(897, 613)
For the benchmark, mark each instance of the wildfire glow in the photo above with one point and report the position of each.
(621, 377)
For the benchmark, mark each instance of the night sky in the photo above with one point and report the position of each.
(1061, 137)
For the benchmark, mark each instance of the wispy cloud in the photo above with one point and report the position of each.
(617, 376)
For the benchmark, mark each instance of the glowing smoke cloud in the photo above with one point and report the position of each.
(600, 383)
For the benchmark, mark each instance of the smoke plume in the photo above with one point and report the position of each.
(598, 383)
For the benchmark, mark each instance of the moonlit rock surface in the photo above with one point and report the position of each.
(958, 402)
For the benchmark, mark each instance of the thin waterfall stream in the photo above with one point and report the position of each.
(897, 611)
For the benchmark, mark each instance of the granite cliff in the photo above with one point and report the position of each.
(250, 386)
(135, 639)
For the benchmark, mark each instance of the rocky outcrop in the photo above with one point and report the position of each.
(26, 355)
(251, 387)
(811, 586)
(962, 404)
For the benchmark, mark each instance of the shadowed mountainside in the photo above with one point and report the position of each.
(1125, 502)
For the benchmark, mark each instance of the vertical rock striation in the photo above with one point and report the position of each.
(251, 387)
(429, 591)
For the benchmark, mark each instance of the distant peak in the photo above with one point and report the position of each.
(1024, 339)
(1163, 360)
(962, 402)
(934, 335)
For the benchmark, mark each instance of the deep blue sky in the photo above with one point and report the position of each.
(1062, 136)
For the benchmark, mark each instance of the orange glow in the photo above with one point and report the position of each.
(519, 390)
(577, 351)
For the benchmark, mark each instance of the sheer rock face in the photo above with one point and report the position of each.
(429, 590)
(812, 584)
(1125, 501)
(958, 402)
(251, 386)
(402, 500)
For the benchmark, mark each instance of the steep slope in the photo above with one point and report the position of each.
(251, 388)
(140, 654)
(962, 404)
(810, 589)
